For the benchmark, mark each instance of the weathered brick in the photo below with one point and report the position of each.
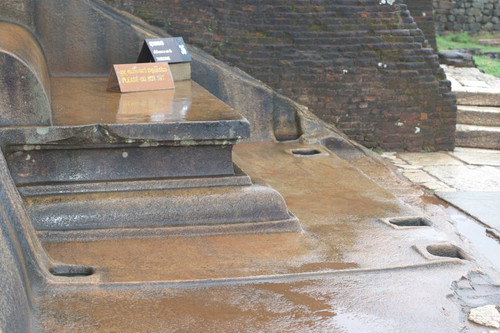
(363, 66)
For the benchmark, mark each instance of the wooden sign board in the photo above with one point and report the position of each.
(171, 50)
(140, 77)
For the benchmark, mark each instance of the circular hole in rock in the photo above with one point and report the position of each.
(72, 271)
(446, 250)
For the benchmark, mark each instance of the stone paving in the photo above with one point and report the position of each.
(467, 178)
(471, 80)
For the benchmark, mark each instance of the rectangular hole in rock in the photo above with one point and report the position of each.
(71, 271)
(446, 250)
(306, 152)
(412, 221)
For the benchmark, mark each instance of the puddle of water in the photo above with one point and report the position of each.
(359, 322)
(434, 201)
(476, 234)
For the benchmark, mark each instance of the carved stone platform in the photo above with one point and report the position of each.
(138, 164)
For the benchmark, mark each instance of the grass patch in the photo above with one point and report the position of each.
(465, 41)
(490, 66)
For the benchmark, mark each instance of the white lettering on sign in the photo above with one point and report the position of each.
(162, 51)
(183, 49)
(163, 58)
(156, 43)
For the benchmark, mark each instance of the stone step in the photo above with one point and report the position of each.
(472, 87)
(477, 136)
(91, 213)
(478, 115)
(478, 96)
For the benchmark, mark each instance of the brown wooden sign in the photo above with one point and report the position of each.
(140, 77)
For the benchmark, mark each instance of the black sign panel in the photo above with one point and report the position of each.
(171, 50)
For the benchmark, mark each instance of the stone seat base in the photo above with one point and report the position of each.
(141, 164)
(95, 213)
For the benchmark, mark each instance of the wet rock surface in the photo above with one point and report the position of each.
(467, 178)
(338, 303)
(345, 270)
(477, 287)
(329, 277)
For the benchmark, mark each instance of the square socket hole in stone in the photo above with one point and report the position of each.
(406, 222)
(308, 152)
(447, 250)
(442, 251)
(71, 270)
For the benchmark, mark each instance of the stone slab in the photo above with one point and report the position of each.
(473, 87)
(474, 83)
(478, 156)
(438, 186)
(476, 115)
(144, 135)
(108, 164)
(469, 77)
(85, 101)
(478, 96)
(425, 159)
(419, 176)
(85, 114)
(424, 179)
(484, 206)
(467, 177)
(477, 136)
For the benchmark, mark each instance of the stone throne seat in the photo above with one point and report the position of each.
(137, 164)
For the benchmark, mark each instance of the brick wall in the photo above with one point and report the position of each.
(355, 63)
(422, 12)
(467, 15)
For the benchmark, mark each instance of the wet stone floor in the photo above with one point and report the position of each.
(340, 221)
(346, 271)
(466, 182)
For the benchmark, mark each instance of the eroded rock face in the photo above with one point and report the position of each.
(24, 78)
(487, 315)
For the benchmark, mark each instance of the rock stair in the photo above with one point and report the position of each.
(478, 104)
(478, 127)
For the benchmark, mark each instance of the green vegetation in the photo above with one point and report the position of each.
(465, 41)
(490, 66)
